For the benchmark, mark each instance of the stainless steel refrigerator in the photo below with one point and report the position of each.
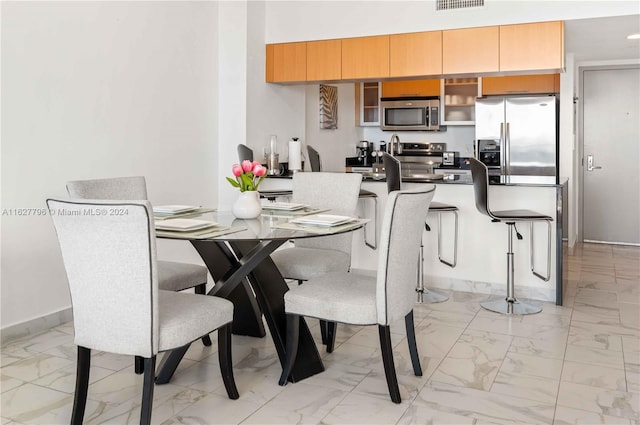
(526, 130)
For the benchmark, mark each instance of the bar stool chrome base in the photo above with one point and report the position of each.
(425, 295)
(515, 307)
(429, 296)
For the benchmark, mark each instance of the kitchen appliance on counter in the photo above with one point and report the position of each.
(418, 160)
(364, 153)
(450, 159)
(518, 135)
(410, 113)
(489, 153)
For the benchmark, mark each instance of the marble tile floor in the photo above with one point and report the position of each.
(575, 364)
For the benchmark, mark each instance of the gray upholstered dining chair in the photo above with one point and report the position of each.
(314, 257)
(316, 165)
(111, 266)
(172, 276)
(393, 173)
(367, 300)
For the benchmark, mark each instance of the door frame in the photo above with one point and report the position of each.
(580, 132)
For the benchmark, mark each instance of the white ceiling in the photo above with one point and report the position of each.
(597, 39)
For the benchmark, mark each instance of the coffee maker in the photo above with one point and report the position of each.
(364, 153)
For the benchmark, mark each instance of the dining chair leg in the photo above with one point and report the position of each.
(82, 385)
(226, 363)
(138, 365)
(324, 333)
(387, 360)
(202, 290)
(413, 347)
(169, 364)
(291, 347)
(147, 390)
(331, 336)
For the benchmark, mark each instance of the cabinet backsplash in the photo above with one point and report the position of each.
(457, 138)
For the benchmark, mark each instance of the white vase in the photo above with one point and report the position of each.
(247, 205)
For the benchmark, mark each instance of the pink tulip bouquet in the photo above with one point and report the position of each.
(248, 175)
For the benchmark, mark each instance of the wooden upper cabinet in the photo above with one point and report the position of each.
(410, 88)
(536, 46)
(470, 50)
(324, 61)
(414, 54)
(286, 62)
(365, 57)
(547, 83)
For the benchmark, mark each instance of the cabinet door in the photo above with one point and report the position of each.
(365, 57)
(520, 84)
(324, 60)
(458, 100)
(414, 54)
(286, 62)
(537, 46)
(367, 104)
(470, 50)
(411, 88)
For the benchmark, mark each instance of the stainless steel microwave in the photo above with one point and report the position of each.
(410, 113)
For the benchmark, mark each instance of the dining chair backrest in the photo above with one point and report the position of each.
(122, 188)
(400, 238)
(480, 177)
(109, 253)
(393, 172)
(244, 152)
(314, 159)
(337, 192)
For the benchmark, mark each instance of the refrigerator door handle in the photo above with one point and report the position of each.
(502, 149)
(507, 139)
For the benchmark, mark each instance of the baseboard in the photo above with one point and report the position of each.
(35, 326)
(477, 287)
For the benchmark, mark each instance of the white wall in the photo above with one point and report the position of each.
(316, 20)
(99, 89)
(333, 145)
(271, 108)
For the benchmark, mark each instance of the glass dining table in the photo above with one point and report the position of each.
(237, 255)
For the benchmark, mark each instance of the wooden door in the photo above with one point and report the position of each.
(324, 61)
(365, 57)
(470, 50)
(536, 46)
(415, 54)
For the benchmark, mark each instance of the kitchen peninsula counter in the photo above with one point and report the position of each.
(482, 244)
(542, 181)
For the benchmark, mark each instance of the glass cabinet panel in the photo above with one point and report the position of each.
(459, 100)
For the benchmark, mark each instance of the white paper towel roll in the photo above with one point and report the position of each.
(295, 156)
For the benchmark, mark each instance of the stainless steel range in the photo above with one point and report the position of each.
(418, 160)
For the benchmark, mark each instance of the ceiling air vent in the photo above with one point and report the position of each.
(457, 4)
